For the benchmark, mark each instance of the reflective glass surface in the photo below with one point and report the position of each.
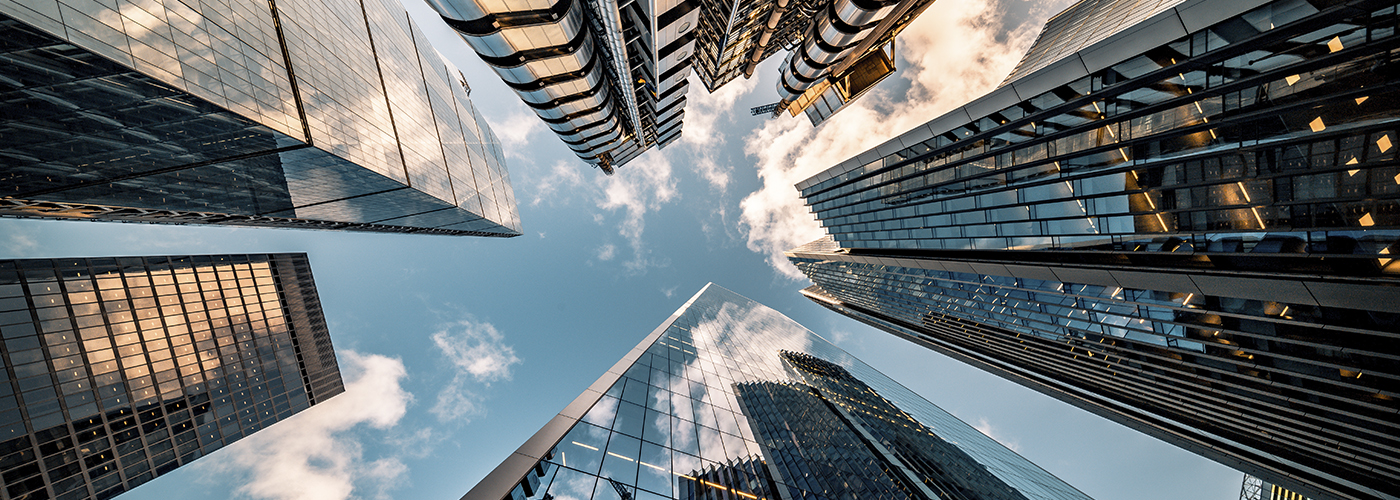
(1206, 138)
(296, 113)
(1194, 241)
(734, 400)
(122, 369)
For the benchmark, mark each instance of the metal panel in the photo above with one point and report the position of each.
(1065, 70)
(994, 101)
(1160, 29)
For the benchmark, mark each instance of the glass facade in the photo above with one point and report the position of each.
(1187, 231)
(296, 113)
(122, 369)
(729, 399)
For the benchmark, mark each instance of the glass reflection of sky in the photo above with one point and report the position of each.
(672, 427)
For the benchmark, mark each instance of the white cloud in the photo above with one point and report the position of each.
(515, 131)
(986, 427)
(316, 454)
(561, 179)
(955, 51)
(607, 252)
(643, 185)
(703, 113)
(20, 242)
(478, 354)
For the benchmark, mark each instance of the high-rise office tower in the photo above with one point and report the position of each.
(291, 113)
(609, 77)
(122, 369)
(729, 399)
(1179, 218)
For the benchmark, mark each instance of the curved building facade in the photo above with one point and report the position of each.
(610, 77)
(583, 66)
(1181, 216)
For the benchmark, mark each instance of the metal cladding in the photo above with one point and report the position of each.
(1187, 225)
(837, 30)
(568, 61)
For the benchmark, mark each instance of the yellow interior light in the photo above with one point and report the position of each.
(1384, 143)
(1352, 161)
(1291, 79)
(1316, 125)
(1366, 220)
(1362, 99)
(1353, 172)
(1335, 44)
(1397, 178)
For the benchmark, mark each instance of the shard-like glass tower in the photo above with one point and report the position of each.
(1177, 215)
(729, 399)
(290, 113)
(122, 369)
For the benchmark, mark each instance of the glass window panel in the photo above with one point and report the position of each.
(570, 483)
(683, 436)
(654, 468)
(657, 427)
(620, 463)
(582, 448)
(635, 391)
(603, 412)
(711, 445)
(629, 419)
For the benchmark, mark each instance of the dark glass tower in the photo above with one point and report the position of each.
(122, 369)
(315, 114)
(1184, 225)
(729, 399)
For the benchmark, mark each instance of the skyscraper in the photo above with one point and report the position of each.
(1179, 218)
(301, 113)
(730, 399)
(609, 77)
(122, 369)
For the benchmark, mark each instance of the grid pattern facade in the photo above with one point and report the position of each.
(1282, 136)
(699, 415)
(1193, 241)
(122, 369)
(296, 113)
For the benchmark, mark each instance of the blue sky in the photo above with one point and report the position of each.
(455, 350)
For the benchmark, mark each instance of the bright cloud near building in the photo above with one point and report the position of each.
(956, 51)
(318, 454)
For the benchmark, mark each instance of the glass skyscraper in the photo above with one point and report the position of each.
(729, 399)
(1177, 215)
(122, 369)
(289, 113)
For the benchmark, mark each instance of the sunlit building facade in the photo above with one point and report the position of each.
(122, 369)
(610, 77)
(729, 399)
(1183, 224)
(300, 114)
